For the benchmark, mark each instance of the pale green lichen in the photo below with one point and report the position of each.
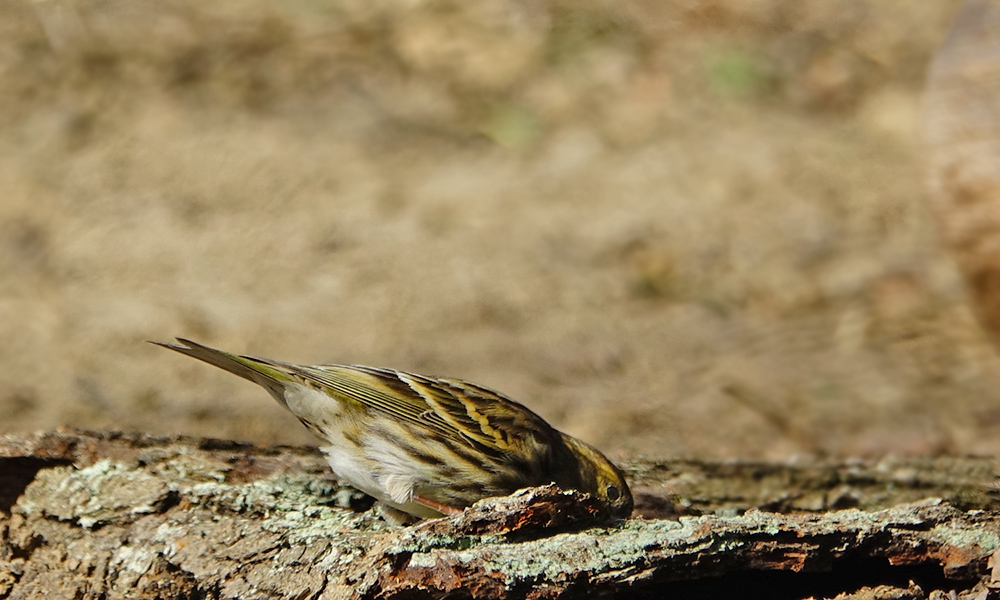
(184, 464)
(295, 505)
(598, 549)
(135, 559)
(967, 537)
(616, 549)
(99, 493)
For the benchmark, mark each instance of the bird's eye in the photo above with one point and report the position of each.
(612, 492)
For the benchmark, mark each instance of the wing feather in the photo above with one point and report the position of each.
(441, 405)
(380, 390)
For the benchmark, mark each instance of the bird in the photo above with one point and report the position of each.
(422, 446)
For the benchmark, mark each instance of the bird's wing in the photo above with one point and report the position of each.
(466, 413)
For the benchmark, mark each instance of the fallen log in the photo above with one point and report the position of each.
(111, 515)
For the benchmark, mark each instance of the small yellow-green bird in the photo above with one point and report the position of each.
(425, 446)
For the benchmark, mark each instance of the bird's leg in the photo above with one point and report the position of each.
(444, 509)
(394, 516)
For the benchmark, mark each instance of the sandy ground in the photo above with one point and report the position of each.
(694, 228)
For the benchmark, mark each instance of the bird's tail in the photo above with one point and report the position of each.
(269, 374)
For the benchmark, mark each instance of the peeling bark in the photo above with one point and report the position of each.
(107, 515)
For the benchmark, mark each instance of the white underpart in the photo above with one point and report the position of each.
(381, 470)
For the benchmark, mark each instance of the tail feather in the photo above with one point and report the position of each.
(269, 374)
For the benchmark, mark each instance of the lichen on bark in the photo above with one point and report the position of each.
(119, 516)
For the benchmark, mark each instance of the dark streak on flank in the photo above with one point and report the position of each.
(469, 455)
(410, 450)
(351, 435)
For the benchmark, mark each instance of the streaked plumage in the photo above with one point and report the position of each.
(422, 445)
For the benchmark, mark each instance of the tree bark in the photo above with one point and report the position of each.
(110, 515)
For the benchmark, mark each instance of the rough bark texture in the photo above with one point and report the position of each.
(108, 515)
(963, 129)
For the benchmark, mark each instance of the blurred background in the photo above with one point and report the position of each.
(687, 228)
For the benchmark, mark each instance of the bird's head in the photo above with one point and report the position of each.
(599, 477)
